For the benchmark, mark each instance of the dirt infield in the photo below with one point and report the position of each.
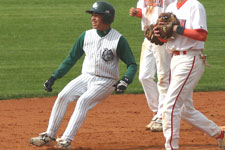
(118, 123)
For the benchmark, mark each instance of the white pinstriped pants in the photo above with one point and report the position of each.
(186, 71)
(88, 90)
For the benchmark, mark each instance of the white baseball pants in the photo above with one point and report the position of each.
(88, 90)
(154, 59)
(186, 71)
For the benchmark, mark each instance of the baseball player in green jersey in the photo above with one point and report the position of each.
(103, 47)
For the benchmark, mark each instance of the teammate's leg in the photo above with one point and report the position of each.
(163, 59)
(146, 77)
(201, 122)
(198, 120)
(147, 70)
(185, 74)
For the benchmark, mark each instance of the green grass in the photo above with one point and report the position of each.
(36, 35)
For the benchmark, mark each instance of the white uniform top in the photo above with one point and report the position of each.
(191, 15)
(151, 10)
(100, 54)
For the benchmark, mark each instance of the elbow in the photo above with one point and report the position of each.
(203, 35)
(203, 39)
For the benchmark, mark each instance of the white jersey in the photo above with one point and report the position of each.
(100, 54)
(151, 10)
(198, 21)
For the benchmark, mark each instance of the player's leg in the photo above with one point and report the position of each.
(193, 116)
(185, 74)
(97, 90)
(199, 120)
(70, 92)
(163, 59)
(147, 70)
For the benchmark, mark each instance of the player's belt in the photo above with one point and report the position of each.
(179, 53)
(188, 52)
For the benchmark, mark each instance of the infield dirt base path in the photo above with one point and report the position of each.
(118, 123)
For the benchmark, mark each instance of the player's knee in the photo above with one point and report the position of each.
(163, 79)
(144, 79)
(83, 105)
(63, 96)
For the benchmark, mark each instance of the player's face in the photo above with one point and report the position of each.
(97, 23)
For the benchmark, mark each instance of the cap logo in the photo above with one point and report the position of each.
(107, 11)
(95, 5)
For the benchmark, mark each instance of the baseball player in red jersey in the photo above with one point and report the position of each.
(154, 58)
(187, 67)
(103, 47)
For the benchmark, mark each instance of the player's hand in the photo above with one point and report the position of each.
(175, 28)
(49, 83)
(133, 11)
(121, 85)
(156, 31)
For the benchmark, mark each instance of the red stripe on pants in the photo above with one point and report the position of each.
(177, 99)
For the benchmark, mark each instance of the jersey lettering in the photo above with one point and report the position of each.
(155, 3)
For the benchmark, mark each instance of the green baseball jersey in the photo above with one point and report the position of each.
(97, 58)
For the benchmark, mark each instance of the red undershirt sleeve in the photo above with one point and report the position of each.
(139, 13)
(196, 34)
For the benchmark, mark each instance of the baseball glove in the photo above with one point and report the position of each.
(149, 34)
(165, 24)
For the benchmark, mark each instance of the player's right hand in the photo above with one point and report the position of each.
(133, 11)
(121, 85)
(49, 83)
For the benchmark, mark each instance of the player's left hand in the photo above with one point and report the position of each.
(121, 85)
(49, 83)
(150, 33)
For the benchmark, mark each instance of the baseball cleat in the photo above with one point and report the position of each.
(157, 126)
(148, 126)
(42, 140)
(63, 144)
(221, 142)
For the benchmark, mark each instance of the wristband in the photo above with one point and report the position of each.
(180, 30)
(139, 13)
(52, 79)
(126, 80)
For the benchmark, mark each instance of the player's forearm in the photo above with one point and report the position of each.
(196, 34)
(131, 71)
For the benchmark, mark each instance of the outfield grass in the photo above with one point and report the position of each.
(36, 35)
